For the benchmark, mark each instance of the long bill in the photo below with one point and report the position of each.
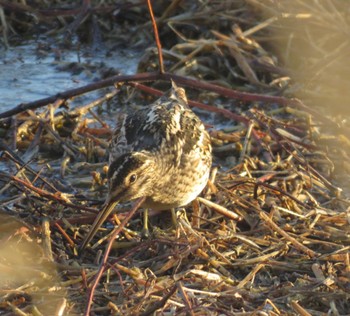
(101, 217)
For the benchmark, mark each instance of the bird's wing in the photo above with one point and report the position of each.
(135, 132)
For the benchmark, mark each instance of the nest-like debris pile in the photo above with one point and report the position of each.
(270, 233)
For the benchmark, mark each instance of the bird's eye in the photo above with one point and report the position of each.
(132, 178)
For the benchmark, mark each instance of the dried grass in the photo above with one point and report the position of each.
(270, 234)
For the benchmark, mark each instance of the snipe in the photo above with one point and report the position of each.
(161, 152)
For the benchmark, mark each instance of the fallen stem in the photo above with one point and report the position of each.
(106, 254)
(156, 35)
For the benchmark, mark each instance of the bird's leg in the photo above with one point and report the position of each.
(174, 217)
(145, 230)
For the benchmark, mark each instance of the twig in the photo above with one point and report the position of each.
(159, 304)
(269, 186)
(220, 209)
(246, 143)
(47, 239)
(59, 198)
(83, 13)
(185, 298)
(65, 235)
(293, 241)
(156, 35)
(22, 8)
(18, 160)
(106, 254)
(194, 83)
(229, 114)
(78, 91)
(299, 309)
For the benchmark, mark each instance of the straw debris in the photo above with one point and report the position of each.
(269, 234)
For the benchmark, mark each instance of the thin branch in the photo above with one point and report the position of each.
(193, 83)
(57, 197)
(105, 256)
(298, 245)
(156, 36)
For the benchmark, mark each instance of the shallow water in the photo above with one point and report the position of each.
(34, 71)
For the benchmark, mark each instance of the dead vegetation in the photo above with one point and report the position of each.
(269, 235)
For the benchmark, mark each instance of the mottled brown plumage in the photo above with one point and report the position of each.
(161, 152)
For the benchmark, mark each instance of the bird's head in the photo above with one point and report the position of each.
(174, 94)
(177, 94)
(131, 176)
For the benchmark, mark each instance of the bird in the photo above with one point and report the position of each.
(161, 152)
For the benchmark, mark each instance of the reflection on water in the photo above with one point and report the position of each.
(28, 280)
